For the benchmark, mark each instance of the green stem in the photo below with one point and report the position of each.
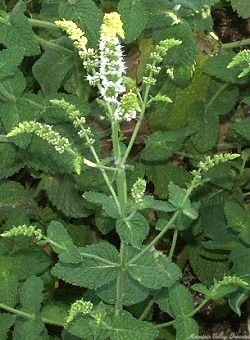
(156, 239)
(146, 311)
(29, 316)
(43, 24)
(236, 44)
(137, 126)
(190, 315)
(121, 278)
(173, 244)
(17, 312)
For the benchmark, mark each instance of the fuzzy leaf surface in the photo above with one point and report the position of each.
(155, 270)
(134, 17)
(81, 11)
(99, 267)
(134, 230)
(126, 327)
(31, 294)
(15, 30)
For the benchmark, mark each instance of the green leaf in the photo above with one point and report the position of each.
(63, 194)
(58, 234)
(216, 264)
(87, 14)
(242, 8)
(95, 197)
(31, 329)
(25, 263)
(162, 145)
(31, 295)
(177, 197)
(108, 203)
(10, 58)
(51, 69)
(216, 66)
(6, 321)
(55, 312)
(133, 292)
(13, 196)
(237, 298)
(240, 256)
(161, 175)
(186, 328)
(126, 327)
(242, 128)
(15, 30)
(133, 230)
(99, 266)
(155, 270)
(9, 161)
(134, 17)
(206, 123)
(181, 301)
(9, 287)
(148, 202)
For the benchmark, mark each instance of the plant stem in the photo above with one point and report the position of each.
(156, 239)
(190, 315)
(29, 316)
(236, 44)
(146, 311)
(173, 244)
(43, 24)
(121, 278)
(17, 312)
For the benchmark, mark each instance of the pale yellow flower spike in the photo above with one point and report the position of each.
(74, 33)
(112, 25)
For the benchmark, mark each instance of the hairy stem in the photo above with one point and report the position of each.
(121, 278)
(236, 44)
(43, 24)
(173, 244)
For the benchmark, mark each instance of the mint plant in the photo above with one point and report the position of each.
(96, 234)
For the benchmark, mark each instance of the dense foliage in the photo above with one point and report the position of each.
(124, 200)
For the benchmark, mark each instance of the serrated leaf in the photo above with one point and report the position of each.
(215, 267)
(134, 230)
(162, 299)
(133, 292)
(162, 145)
(58, 234)
(31, 329)
(52, 67)
(242, 7)
(134, 17)
(148, 202)
(9, 287)
(155, 270)
(81, 12)
(63, 194)
(25, 263)
(13, 196)
(10, 58)
(15, 30)
(99, 267)
(6, 321)
(181, 301)
(216, 66)
(31, 295)
(186, 328)
(95, 197)
(161, 175)
(126, 327)
(9, 161)
(206, 123)
(55, 312)
(237, 298)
